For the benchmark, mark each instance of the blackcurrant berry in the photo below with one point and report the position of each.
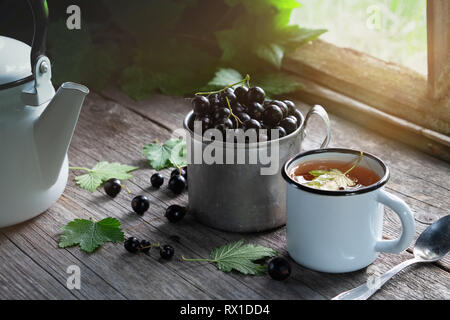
(225, 124)
(157, 180)
(282, 106)
(298, 115)
(132, 244)
(140, 204)
(201, 105)
(292, 117)
(255, 111)
(243, 116)
(237, 108)
(255, 94)
(145, 246)
(177, 184)
(214, 99)
(175, 213)
(281, 132)
(291, 107)
(241, 94)
(112, 187)
(272, 115)
(289, 125)
(279, 268)
(228, 93)
(166, 252)
(206, 122)
(221, 113)
(177, 172)
(252, 124)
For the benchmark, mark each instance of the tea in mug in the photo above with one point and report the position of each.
(333, 175)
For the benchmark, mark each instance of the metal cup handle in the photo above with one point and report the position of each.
(320, 111)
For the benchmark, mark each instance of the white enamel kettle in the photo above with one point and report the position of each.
(36, 125)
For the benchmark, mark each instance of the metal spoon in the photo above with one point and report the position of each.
(432, 245)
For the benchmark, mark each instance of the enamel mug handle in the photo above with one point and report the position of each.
(320, 111)
(407, 220)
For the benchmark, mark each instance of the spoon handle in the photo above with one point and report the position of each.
(366, 290)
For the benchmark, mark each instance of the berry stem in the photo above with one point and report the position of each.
(231, 112)
(175, 163)
(80, 168)
(155, 245)
(197, 260)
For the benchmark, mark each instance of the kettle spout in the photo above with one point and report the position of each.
(54, 129)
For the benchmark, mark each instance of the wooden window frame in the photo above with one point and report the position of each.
(389, 98)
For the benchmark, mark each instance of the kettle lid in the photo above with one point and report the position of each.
(15, 66)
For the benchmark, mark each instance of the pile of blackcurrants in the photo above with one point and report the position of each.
(245, 109)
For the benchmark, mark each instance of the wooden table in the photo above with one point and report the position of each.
(114, 128)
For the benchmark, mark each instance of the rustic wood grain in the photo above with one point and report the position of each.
(116, 131)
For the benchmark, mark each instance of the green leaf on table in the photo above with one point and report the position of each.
(240, 257)
(89, 234)
(170, 154)
(102, 172)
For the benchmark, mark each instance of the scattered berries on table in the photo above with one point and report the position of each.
(132, 244)
(181, 171)
(112, 187)
(177, 184)
(279, 268)
(145, 246)
(157, 180)
(140, 204)
(175, 213)
(166, 252)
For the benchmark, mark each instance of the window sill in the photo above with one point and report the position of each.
(385, 97)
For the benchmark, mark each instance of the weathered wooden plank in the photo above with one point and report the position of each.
(131, 143)
(22, 278)
(36, 243)
(134, 276)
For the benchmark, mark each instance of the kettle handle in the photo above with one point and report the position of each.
(40, 18)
